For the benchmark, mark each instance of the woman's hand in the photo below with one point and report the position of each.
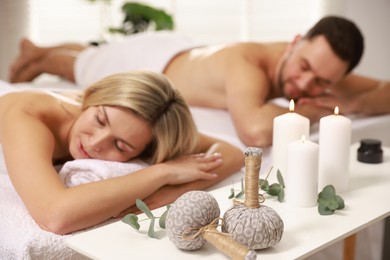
(191, 168)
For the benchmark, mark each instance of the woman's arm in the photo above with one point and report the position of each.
(232, 162)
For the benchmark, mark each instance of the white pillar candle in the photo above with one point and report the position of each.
(302, 173)
(334, 142)
(287, 128)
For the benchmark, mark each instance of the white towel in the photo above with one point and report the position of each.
(82, 171)
(148, 51)
(21, 237)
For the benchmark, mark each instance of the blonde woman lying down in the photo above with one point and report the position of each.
(139, 116)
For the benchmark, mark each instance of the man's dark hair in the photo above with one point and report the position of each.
(344, 37)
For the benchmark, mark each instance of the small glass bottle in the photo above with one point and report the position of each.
(370, 151)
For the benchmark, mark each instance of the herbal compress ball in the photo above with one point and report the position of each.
(256, 228)
(250, 224)
(190, 212)
(193, 219)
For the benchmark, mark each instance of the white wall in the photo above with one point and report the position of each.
(49, 22)
(374, 19)
(14, 24)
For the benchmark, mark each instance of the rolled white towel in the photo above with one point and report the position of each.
(82, 171)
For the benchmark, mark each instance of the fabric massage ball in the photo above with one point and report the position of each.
(256, 228)
(251, 224)
(190, 212)
(192, 220)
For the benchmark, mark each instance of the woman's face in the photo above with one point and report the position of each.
(109, 133)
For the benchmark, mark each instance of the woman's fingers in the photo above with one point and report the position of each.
(208, 176)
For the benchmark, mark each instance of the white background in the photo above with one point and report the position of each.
(50, 22)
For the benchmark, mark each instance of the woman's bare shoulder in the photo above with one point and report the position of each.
(36, 103)
(25, 97)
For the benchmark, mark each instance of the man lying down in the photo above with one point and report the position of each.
(242, 77)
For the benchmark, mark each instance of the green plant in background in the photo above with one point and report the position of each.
(133, 221)
(141, 17)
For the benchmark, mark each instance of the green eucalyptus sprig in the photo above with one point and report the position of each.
(275, 189)
(240, 193)
(328, 201)
(133, 221)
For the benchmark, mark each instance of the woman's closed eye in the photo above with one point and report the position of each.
(119, 146)
(100, 117)
(99, 120)
(122, 146)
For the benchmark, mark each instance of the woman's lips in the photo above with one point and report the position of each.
(83, 152)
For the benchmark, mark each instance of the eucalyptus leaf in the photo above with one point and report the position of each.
(332, 204)
(281, 195)
(163, 217)
(274, 189)
(142, 206)
(151, 232)
(328, 192)
(323, 210)
(322, 201)
(264, 184)
(280, 178)
(231, 196)
(132, 220)
(328, 201)
(340, 202)
(239, 195)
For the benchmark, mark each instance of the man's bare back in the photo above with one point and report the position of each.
(207, 70)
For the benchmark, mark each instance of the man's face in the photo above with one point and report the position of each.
(310, 68)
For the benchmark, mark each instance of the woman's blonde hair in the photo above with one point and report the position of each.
(151, 96)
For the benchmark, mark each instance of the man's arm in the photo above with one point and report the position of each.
(365, 95)
(247, 91)
(356, 94)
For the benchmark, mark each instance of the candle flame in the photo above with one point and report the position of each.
(336, 110)
(292, 105)
(303, 138)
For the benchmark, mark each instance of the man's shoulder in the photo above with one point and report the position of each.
(257, 49)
